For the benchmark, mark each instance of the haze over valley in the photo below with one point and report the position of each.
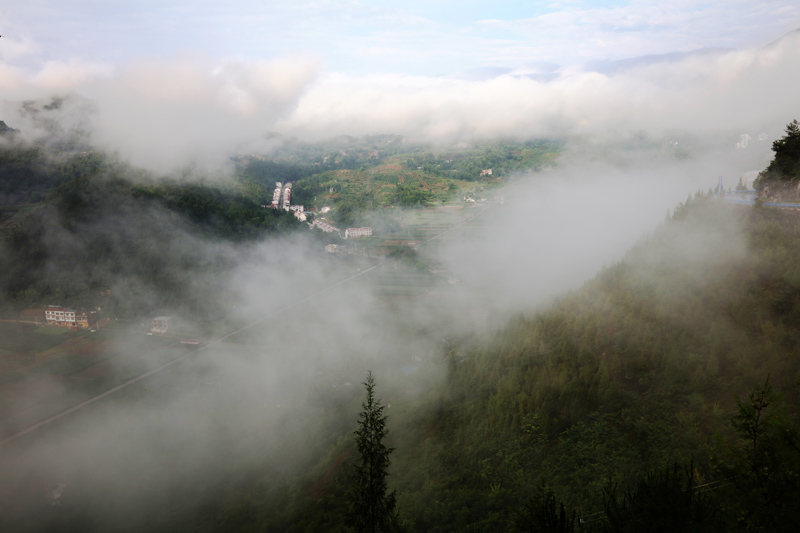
(561, 239)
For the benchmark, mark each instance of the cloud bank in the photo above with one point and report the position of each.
(704, 92)
(163, 113)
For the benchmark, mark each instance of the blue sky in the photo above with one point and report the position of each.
(431, 38)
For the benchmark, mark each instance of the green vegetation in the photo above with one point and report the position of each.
(356, 176)
(660, 396)
(786, 164)
(633, 379)
(372, 507)
(27, 173)
(780, 178)
(110, 235)
(77, 224)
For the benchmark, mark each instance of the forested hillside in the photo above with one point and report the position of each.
(85, 229)
(639, 369)
(357, 175)
(660, 396)
(75, 222)
(779, 181)
(636, 376)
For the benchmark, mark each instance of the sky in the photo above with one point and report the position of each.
(356, 38)
(163, 81)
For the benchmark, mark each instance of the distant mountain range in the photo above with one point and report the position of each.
(544, 71)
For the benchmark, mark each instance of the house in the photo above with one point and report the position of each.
(161, 324)
(85, 320)
(487, 172)
(354, 233)
(324, 226)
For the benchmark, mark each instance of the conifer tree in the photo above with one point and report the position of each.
(786, 163)
(785, 166)
(371, 508)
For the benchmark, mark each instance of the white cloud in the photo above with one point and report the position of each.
(162, 109)
(704, 91)
(161, 113)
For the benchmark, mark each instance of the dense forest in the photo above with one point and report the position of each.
(661, 396)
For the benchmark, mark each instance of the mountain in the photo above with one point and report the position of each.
(643, 367)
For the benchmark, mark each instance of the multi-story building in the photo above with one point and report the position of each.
(287, 195)
(69, 318)
(276, 196)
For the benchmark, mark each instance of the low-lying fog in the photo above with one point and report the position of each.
(259, 400)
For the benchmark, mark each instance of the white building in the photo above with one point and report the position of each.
(276, 196)
(354, 233)
(161, 324)
(744, 140)
(67, 317)
(287, 195)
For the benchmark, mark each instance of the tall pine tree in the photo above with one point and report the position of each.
(371, 508)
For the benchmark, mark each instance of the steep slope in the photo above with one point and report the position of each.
(640, 368)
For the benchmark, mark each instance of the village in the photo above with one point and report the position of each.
(281, 199)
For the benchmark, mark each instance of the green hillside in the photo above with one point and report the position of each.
(638, 370)
(77, 224)
(357, 175)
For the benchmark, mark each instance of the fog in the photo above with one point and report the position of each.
(271, 400)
